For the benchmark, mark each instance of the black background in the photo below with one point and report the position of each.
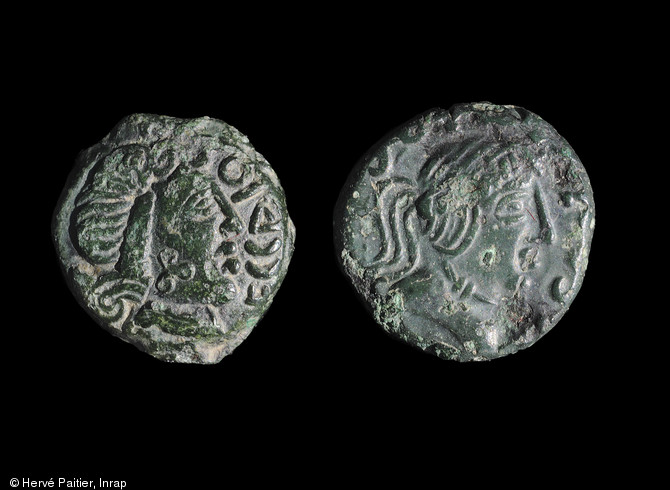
(317, 391)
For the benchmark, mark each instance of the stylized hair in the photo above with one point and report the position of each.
(104, 206)
(441, 204)
(110, 223)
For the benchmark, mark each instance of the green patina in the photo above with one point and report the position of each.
(389, 310)
(466, 231)
(156, 226)
(176, 324)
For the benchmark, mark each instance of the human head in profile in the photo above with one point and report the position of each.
(474, 236)
(173, 231)
(136, 207)
(173, 234)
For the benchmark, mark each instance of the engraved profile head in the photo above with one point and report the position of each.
(159, 221)
(483, 211)
(174, 235)
(189, 236)
(466, 231)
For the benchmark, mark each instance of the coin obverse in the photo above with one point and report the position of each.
(174, 235)
(466, 232)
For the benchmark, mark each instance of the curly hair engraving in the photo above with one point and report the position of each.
(113, 226)
(174, 235)
(465, 230)
(468, 201)
(104, 205)
(441, 206)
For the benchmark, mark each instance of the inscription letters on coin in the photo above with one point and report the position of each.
(467, 231)
(174, 235)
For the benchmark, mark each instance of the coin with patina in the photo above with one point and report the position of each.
(466, 231)
(174, 235)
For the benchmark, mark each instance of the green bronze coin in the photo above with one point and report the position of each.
(466, 231)
(174, 235)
